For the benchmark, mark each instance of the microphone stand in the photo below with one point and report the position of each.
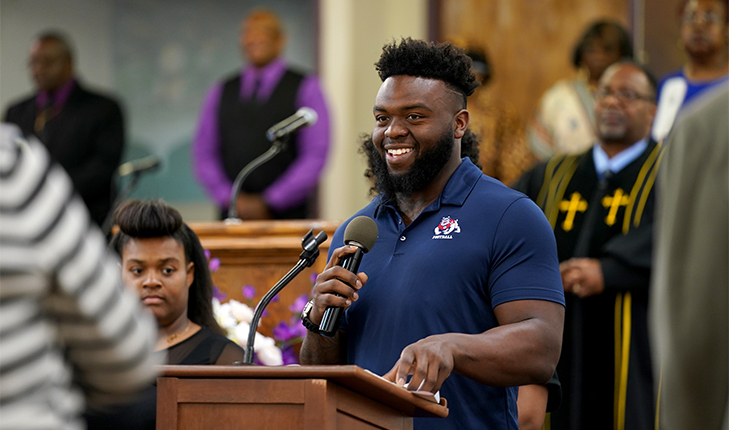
(123, 194)
(306, 259)
(277, 146)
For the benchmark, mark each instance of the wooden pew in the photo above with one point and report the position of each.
(259, 254)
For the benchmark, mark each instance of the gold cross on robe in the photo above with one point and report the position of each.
(613, 203)
(575, 204)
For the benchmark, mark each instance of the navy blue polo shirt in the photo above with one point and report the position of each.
(478, 245)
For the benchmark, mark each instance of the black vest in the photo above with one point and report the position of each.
(243, 125)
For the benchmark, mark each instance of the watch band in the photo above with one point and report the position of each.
(305, 321)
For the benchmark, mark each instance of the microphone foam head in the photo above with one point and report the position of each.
(309, 115)
(362, 230)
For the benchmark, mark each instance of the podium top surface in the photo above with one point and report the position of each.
(263, 228)
(353, 377)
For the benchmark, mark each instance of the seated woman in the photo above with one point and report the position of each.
(163, 260)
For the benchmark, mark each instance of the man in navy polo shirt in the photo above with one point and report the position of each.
(462, 288)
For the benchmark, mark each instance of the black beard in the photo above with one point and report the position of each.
(423, 171)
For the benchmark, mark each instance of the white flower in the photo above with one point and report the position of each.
(235, 318)
(241, 312)
(225, 317)
(240, 334)
(269, 355)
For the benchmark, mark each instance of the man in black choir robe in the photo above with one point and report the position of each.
(600, 204)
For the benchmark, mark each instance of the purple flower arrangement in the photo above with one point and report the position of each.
(233, 317)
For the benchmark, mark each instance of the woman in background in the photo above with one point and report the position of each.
(162, 260)
(565, 118)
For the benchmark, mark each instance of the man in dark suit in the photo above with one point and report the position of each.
(83, 130)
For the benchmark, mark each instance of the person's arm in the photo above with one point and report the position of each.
(230, 354)
(625, 263)
(318, 349)
(301, 178)
(206, 162)
(107, 334)
(523, 349)
(532, 406)
(525, 289)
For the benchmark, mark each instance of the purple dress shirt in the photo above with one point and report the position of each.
(59, 96)
(301, 178)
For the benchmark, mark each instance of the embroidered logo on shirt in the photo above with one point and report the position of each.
(447, 226)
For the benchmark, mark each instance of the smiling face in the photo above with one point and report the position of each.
(418, 126)
(157, 270)
(704, 29)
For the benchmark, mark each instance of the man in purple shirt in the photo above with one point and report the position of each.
(235, 116)
(82, 130)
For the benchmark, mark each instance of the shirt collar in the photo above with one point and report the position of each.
(603, 163)
(269, 75)
(57, 98)
(456, 190)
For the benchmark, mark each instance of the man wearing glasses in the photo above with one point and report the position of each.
(600, 205)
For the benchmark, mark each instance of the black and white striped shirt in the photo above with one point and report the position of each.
(70, 334)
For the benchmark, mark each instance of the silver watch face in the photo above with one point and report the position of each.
(307, 309)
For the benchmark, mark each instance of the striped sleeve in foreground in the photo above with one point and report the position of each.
(45, 228)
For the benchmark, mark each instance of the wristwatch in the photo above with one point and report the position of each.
(305, 321)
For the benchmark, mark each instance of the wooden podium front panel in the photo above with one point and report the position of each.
(357, 412)
(240, 416)
(259, 254)
(306, 404)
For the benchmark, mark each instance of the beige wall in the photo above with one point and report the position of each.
(352, 35)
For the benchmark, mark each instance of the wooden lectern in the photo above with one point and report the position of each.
(291, 397)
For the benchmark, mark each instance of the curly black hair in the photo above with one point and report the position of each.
(469, 148)
(139, 219)
(443, 61)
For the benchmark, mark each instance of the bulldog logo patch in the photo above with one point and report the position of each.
(446, 227)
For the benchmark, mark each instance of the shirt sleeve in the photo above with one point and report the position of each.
(206, 160)
(301, 178)
(525, 264)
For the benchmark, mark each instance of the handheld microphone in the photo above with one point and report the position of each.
(138, 166)
(362, 233)
(303, 117)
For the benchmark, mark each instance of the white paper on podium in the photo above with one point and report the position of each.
(427, 395)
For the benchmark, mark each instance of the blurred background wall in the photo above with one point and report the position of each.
(159, 57)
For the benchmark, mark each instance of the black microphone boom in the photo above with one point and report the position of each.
(278, 134)
(303, 117)
(135, 168)
(310, 243)
(362, 233)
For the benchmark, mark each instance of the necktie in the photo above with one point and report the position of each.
(256, 88)
(582, 247)
(43, 116)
